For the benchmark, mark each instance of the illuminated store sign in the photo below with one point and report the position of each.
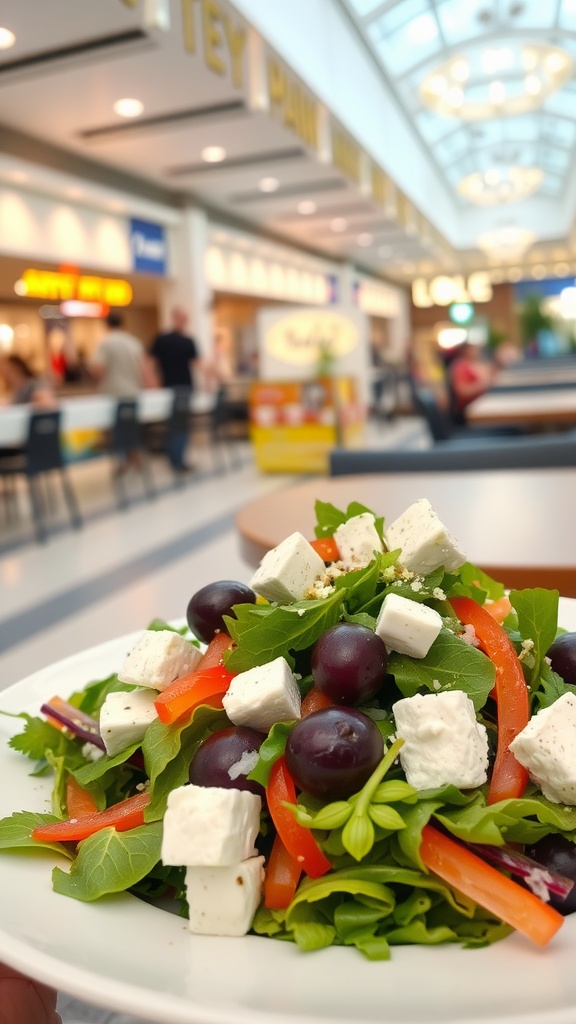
(291, 102)
(223, 37)
(300, 338)
(62, 286)
(148, 244)
(443, 290)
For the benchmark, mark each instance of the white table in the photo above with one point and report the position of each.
(95, 412)
(545, 407)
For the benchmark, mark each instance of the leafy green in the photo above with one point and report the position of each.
(39, 736)
(270, 750)
(451, 664)
(168, 751)
(329, 518)
(470, 581)
(537, 612)
(110, 861)
(16, 833)
(279, 631)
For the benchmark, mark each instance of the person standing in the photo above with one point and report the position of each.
(175, 357)
(119, 362)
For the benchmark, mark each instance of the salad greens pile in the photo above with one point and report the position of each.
(378, 893)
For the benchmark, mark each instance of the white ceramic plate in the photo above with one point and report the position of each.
(127, 956)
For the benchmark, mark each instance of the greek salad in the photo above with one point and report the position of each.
(371, 744)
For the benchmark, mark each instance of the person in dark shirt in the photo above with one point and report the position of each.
(174, 355)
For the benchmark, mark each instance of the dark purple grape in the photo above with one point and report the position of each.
(332, 753)
(562, 656)
(557, 853)
(349, 663)
(226, 758)
(208, 605)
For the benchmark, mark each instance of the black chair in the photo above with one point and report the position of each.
(223, 422)
(40, 456)
(544, 450)
(127, 448)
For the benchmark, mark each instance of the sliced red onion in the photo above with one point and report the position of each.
(77, 722)
(540, 880)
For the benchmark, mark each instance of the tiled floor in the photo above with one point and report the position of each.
(123, 568)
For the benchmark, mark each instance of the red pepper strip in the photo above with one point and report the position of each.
(79, 802)
(122, 816)
(315, 700)
(282, 877)
(214, 653)
(327, 548)
(488, 887)
(299, 841)
(184, 694)
(509, 778)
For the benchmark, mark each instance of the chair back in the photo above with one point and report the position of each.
(43, 451)
(427, 406)
(126, 435)
(179, 419)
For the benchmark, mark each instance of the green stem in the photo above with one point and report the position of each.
(370, 787)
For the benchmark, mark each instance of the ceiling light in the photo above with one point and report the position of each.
(538, 271)
(268, 184)
(365, 239)
(7, 39)
(128, 108)
(422, 29)
(306, 207)
(466, 87)
(561, 269)
(213, 154)
(339, 224)
(506, 185)
(514, 274)
(507, 243)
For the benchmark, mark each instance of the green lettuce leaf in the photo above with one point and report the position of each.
(451, 664)
(110, 861)
(16, 833)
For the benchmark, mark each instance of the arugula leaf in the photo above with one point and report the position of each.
(537, 611)
(38, 737)
(329, 518)
(93, 771)
(470, 581)
(160, 624)
(110, 861)
(16, 833)
(451, 664)
(551, 686)
(281, 630)
(270, 750)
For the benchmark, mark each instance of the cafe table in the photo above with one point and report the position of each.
(517, 525)
(547, 407)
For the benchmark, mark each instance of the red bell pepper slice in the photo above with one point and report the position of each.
(509, 778)
(299, 841)
(327, 548)
(281, 878)
(122, 816)
(184, 694)
(79, 802)
(315, 700)
(488, 887)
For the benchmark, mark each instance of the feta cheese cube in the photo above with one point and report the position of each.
(262, 696)
(208, 826)
(158, 658)
(125, 717)
(547, 748)
(424, 541)
(444, 744)
(223, 901)
(357, 540)
(286, 572)
(407, 626)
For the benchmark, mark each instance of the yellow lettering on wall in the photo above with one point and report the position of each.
(346, 155)
(296, 107)
(236, 41)
(188, 26)
(212, 33)
(59, 287)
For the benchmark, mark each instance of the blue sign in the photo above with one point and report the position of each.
(333, 288)
(149, 247)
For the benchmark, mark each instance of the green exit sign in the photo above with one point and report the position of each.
(461, 312)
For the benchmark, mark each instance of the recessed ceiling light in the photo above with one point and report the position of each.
(7, 39)
(128, 108)
(306, 207)
(455, 96)
(339, 224)
(268, 184)
(438, 84)
(460, 70)
(213, 154)
(533, 84)
(365, 239)
(497, 91)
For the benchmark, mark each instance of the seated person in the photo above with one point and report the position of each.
(469, 376)
(24, 387)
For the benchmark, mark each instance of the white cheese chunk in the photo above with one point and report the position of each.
(547, 749)
(223, 901)
(357, 540)
(444, 744)
(424, 541)
(287, 572)
(262, 696)
(158, 658)
(210, 826)
(125, 717)
(407, 626)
